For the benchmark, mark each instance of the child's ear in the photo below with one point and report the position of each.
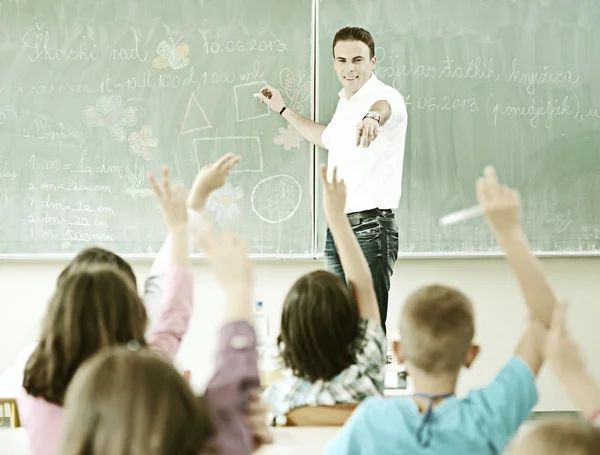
(472, 354)
(397, 347)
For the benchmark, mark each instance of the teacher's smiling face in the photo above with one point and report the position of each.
(353, 64)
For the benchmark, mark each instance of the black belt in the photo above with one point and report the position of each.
(357, 218)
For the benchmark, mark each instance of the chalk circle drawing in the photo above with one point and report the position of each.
(247, 107)
(172, 54)
(278, 200)
(194, 118)
(294, 94)
(224, 203)
(136, 180)
(111, 113)
(289, 138)
(141, 141)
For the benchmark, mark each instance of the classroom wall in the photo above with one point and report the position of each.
(25, 288)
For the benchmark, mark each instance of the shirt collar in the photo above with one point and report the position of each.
(361, 91)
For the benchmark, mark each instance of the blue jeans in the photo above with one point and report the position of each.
(378, 239)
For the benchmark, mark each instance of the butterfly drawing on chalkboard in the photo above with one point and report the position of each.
(111, 113)
(171, 54)
(294, 94)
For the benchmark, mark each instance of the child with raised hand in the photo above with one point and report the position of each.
(437, 326)
(111, 397)
(573, 437)
(97, 306)
(331, 336)
(211, 177)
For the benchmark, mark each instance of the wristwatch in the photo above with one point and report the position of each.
(373, 115)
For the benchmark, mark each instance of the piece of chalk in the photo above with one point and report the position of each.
(256, 95)
(461, 215)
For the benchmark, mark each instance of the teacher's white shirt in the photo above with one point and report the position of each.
(373, 175)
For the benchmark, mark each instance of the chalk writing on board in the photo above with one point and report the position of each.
(129, 54)
(2, 118)
(39, 40)
(108, 168)
(397, 73)
(6, 173)
(141, 141)
(111, 113)
(444, 103)
(542, 75)
(251, 45)
(474, 69)
(560, 222)
(194, 118)
(172, 54)
(537, 111)
(224, 203)
(294, 92)
(276, 198)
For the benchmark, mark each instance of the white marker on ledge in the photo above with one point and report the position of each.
(461, 215)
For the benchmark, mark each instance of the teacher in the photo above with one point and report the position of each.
(365, 140)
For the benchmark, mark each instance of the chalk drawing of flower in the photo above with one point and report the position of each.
(140, 142)
(137, 180)
(223, 202)
(290, 137)
(110, 113)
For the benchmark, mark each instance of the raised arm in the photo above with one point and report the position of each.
(210, 178)
(353, 261)
(176, 305)
(231, 390)
(565, 358)
(311, 131)
(502, 209)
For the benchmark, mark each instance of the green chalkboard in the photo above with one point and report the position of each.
(95, 94)
(511, 83)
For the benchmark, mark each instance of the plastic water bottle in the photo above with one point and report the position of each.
(261, 324)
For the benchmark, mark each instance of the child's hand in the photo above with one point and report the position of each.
(211, 177)
(334, 194)
(227, 257)
(172, 202)
(501, 205)
(562, 352)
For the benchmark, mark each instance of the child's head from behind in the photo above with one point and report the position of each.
(93, 307)
(572, 437)
(319, 326)
(97, 256)
(437, 327)
(128, 403)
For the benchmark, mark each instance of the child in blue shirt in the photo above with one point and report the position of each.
(437, 327)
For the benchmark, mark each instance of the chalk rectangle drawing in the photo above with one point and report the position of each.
(210, 149)
(247, 107)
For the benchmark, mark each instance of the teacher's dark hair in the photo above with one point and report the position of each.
(319, 327)
(355, 34)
